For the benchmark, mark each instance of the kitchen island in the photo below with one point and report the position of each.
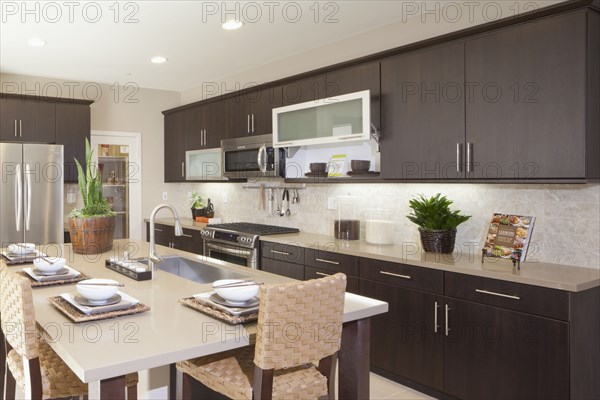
(101, 352)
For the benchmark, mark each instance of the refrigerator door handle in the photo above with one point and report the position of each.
(19, 197)
(28, 196)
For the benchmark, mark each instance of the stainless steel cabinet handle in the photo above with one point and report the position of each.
(508, 296)
(322, 274)
(19, 195)
(446, 309)
(396, 275)
(459, 157)
(182, 169)
(20, 128)
(436, 306)
(205, 138)
(15, 128)
(327, 261)
(158, 230)
(28, 196)
(186, 235)
(248, 121)
(252, 123)
(469, 157)
(280, 252)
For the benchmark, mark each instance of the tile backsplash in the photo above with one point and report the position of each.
(567, 228)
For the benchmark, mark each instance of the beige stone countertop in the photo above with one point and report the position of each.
(167, 333)
(554, 276)
(187, 223)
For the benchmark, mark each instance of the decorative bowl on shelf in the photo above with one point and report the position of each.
(318, 167)
(360, 165)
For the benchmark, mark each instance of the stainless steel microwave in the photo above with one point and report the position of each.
(252, 156)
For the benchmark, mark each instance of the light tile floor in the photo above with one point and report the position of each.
(384, 389)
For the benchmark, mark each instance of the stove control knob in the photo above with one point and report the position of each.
(204, 233)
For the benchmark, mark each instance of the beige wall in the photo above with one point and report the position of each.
(115, 110)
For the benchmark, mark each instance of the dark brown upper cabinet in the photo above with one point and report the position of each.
(354, 79)
(27, 119)
(422, 114)
(311, 88)
(204, 125)
(174, 145)
(249, 112)
(72, 128)
(527, 89)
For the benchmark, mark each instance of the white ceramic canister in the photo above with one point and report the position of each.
(379, 227)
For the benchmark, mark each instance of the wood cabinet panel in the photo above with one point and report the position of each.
(422, 114)
(174, 145)
(306, 89)
(402, 275)
(73, 124)
(492, 353)
(28, 119)
(9, 119)
(513, 296)
(332, 261)
(295, 271)
(526, 104)
(315, 273)
(404, 341)
(284, 252)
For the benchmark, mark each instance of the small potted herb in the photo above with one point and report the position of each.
(198, 209)
(437, 223)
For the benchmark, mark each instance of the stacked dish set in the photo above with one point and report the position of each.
(48, 269)
(19, 253)
(234, 296)
(95, 296)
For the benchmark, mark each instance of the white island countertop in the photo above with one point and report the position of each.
(167, 333)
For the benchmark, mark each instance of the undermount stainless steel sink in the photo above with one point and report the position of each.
(194, 270)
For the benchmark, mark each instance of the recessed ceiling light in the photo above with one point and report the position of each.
(232, 24)
(158, 59)
(36, 42)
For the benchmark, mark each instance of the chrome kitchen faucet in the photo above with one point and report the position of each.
(153, 257)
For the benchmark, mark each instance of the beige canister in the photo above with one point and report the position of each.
(379, 227)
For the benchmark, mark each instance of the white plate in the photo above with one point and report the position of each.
(73, 273)
(253, 302)
(87, 302)
(126, 302)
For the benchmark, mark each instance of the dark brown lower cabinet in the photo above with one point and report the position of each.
(404, 341)
(493, 353)
(315, 273)
(164, 235)
(284, 268)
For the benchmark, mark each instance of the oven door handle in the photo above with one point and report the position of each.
(262, 155)
(227, 250)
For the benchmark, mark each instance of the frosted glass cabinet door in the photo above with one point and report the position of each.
(341, 118)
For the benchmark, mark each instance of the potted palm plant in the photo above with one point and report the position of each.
(92, 227)
(437, 223)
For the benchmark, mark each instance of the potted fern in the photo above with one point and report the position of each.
(437, 223)
(92, 227)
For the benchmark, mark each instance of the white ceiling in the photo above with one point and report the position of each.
(83, 45)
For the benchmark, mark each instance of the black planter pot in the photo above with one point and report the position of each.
(438, 241)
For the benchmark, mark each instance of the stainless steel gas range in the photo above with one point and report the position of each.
(238, 242)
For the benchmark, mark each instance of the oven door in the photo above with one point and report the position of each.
(231, 253)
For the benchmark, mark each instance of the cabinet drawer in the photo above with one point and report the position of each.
(513, 296)
(331, 261)
(283, 252)
(402, 275)
(315, 273)
(284, 268)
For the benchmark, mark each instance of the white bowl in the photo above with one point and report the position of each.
(97, 293)
(21, 248)
(236, 295)
(53, 266)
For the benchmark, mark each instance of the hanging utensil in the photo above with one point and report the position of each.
(270, 203)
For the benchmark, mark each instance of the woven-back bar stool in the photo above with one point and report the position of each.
(298, 336)
(26, 350)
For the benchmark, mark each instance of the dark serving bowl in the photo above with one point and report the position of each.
(360, 165)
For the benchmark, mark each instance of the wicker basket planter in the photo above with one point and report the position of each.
(93, 235)
(438, 241)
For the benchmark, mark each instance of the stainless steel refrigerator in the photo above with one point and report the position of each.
(31, 194)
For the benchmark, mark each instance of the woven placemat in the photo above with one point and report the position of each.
(77, 316)
(35, 283)
(218, 314)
